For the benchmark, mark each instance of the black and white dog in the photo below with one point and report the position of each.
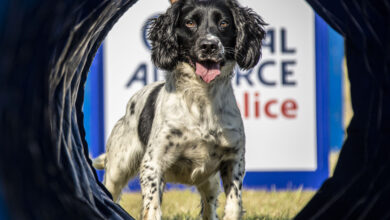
(188, 129)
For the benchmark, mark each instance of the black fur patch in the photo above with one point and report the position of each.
(132, 106)
(176, 132)
(147, 115)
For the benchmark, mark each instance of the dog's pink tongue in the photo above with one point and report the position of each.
(208, 71)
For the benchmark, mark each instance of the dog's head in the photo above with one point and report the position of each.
(207, 34)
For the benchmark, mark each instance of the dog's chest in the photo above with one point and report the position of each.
(210, 133)
(215, 122)
(195, 162)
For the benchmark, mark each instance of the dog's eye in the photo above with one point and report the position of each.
(190, 23)
(223, 24)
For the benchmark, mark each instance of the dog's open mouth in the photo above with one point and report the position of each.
(208, 70)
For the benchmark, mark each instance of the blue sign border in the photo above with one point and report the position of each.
(94, 107)
(306, 179)
(94, 123)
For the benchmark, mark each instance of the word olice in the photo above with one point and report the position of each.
(253, 107)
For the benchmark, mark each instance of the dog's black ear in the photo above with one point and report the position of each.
(249, 36)
(163, 39)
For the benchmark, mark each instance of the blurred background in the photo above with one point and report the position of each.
(294, 103)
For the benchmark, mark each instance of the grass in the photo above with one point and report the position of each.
(259, 204)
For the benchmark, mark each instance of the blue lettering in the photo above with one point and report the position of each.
(269, 40)
(260, 73)
(140, 74)
(243, 75)
(155, 73)
(286, 73)
(283, 42)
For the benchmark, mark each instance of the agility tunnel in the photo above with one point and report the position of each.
(46, 49)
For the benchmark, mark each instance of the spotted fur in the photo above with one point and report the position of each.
(184, 130)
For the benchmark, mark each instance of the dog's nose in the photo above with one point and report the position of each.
(208, 46)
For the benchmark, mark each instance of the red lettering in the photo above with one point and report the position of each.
(289, 108)
(246, 105)
(267, 108)
(257, 105)
(252, 107)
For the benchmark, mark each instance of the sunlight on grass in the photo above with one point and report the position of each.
(259, 204)
(185, 204)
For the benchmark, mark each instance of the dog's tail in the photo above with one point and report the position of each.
(99, 162)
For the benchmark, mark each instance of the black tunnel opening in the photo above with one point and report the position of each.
(46, 50)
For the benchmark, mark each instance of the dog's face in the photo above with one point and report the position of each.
(207, 34)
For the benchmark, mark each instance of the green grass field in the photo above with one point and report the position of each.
(264, 205)
(257, 204)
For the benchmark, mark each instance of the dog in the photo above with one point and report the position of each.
(188, 129)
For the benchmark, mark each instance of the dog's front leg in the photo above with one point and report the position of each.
(152, 185)
(232, 173)
(209, 191)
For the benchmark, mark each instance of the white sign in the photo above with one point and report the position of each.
(276, 98)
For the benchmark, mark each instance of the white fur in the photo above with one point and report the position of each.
(211, 140)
